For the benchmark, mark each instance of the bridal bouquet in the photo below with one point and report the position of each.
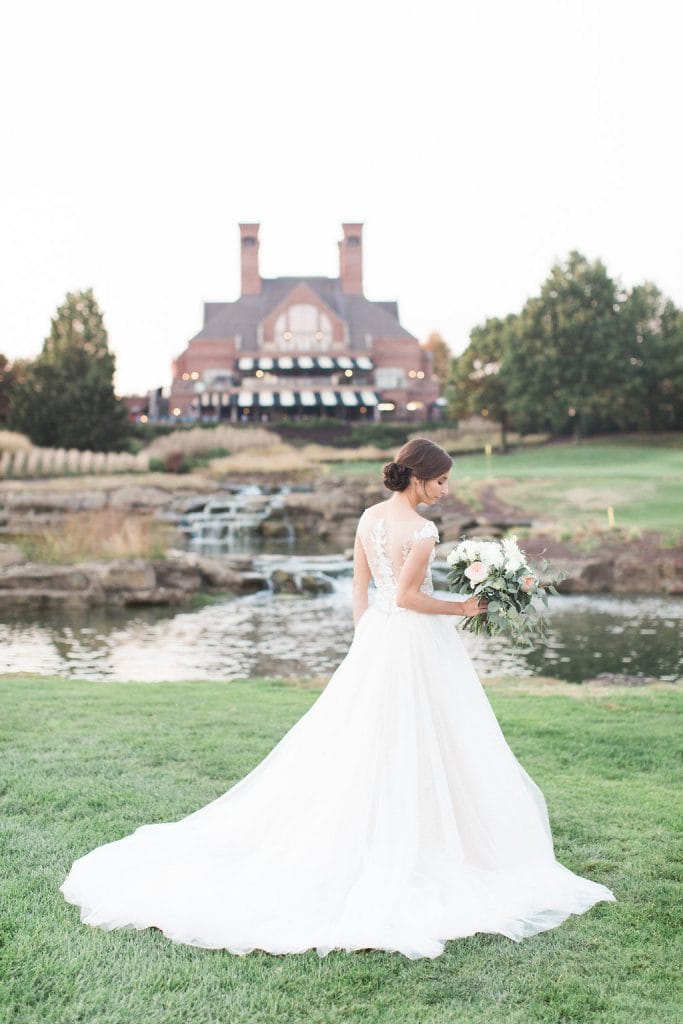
(498, 572)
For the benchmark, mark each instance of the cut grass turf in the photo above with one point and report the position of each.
(85, 763)
(566, 482)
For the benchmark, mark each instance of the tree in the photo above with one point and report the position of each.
(653, 393)
(478, 382)
(582, 356)
(67, 398)
(566, 366)
(442, 357)
(8, 380)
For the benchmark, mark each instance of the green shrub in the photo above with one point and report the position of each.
(180, 462)
(385, 435)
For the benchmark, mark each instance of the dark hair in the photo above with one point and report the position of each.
(419, 458)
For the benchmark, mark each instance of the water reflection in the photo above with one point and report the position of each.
(268, 635)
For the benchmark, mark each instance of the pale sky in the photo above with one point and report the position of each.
(478, 142)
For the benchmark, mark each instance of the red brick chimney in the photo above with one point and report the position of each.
(351, 259)
(251, 279)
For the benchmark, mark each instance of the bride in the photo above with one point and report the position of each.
(393, 815)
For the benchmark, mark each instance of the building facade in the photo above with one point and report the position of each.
(303, 346)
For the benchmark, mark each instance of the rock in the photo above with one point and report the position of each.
(331, 513)
(586, 576)
(178, 576)
(158, 596)
(450, 531)
(627, 573)
(10, 554)
(52, 500)
(35, 600)
(315, 583)
(252, 583)
(660, 574)
(276, 527)
(672, 576)
(127, 575)
(37, 577)
(222, 575)
(284, 582)
(139, 497)
(193, 504)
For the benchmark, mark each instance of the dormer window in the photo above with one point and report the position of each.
(303, 328)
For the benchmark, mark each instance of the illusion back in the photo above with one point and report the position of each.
(387, 543)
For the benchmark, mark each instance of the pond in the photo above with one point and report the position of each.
(281, 636)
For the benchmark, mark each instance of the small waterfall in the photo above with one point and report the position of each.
(230, 524)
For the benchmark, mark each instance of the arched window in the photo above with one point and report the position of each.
(303, 328)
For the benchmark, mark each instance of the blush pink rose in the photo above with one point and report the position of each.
(527, 584)
(476, 573)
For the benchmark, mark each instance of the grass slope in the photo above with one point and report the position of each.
(84, 763)
(566, 482)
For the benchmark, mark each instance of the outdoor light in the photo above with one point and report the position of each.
(259, 373)
(412, 373)
(363, 409)
(143, 419)
(386, 406)
(195, 375)
(420, 374)
(176, 411)
(412, 406)
(288, 335)
(319, 335)
(186, 376)
(348, 373)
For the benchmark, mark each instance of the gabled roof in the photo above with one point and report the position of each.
(228, 319)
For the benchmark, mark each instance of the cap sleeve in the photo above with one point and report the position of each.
(428, 530)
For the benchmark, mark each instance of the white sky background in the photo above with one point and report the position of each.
(478, 141)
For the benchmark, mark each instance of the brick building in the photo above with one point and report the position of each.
(302, 346)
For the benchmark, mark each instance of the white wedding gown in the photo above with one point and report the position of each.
(393, 815)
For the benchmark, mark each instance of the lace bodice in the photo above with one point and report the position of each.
(387, 544)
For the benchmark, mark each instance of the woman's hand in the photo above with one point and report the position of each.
(473, 606)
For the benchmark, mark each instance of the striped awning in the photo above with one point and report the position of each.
(303, 364)
(304, 399)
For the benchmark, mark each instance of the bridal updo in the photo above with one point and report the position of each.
(419, 458)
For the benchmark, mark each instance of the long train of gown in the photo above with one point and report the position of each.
(393, 815)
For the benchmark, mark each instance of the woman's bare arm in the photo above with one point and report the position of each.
(361, 580)
(410, 580)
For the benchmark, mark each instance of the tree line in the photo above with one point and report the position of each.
(65, 397)
(585, 356)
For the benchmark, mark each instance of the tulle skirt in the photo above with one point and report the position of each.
(393, 815)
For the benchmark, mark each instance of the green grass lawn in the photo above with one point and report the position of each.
(566, 483)
(85, 763)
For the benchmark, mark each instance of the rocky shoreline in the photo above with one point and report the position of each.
(324, 514)
(173, 581)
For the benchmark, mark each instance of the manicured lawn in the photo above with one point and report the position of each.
(84, 763)
(574, 484)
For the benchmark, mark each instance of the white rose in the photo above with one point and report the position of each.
(514, 563)
(465, 551)
(510, 547)
(514, 558)
(491, 553)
